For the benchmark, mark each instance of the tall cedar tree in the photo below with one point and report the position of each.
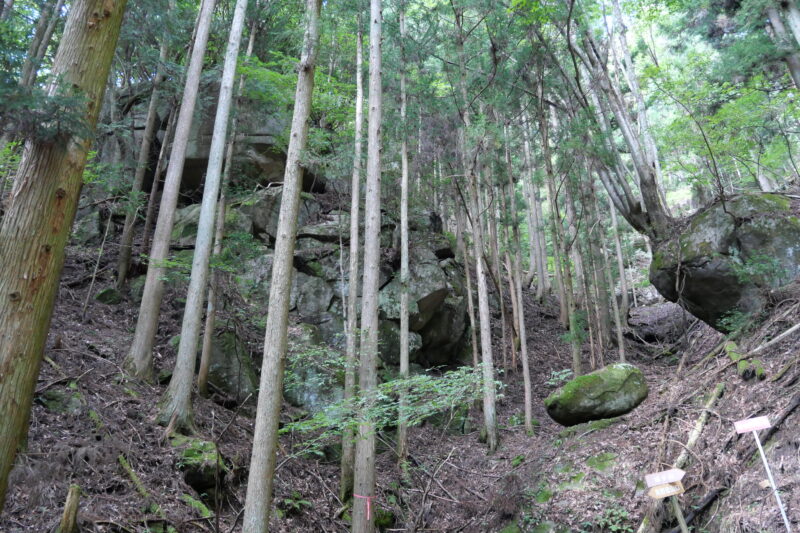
(364, 486)
(37, 224)
(258, 500)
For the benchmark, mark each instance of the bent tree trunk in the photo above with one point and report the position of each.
(36, 227)
(265, 440)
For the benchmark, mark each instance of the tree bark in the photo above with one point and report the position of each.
(348, 435)
(782, 42)
(46, 13)
(36, 227)
(139, 361)
(69, 517)
(258, 501)
(402, 427)
(364, 485)
(176, 405)
(126, 241)
(219, 233)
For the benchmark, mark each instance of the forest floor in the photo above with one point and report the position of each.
(587, 478)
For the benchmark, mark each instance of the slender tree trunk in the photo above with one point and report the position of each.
(219, 233)
(44, 44)
(782, 42)
(258, 501)
(126, 241)
(139, 361)
(487, 358)
(484, 316)
(793, 16)
(348, 435)
(364, 485)
(36, 227)
(155, 193)
(176, 405)
(614, 305)
(402, 427)
(538, 251)
(517, 275)
(473, 330)
(46, 13)
(623, 279)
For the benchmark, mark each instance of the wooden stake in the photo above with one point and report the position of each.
(679, 514)
(69, 519)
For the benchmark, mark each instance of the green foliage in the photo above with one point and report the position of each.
(616, 520)
(295, 504)
(9, 159)
(759, 268)
(735, 321)
(557, 377)
(426, 394)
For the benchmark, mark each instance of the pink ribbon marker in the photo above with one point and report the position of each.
(369, 503)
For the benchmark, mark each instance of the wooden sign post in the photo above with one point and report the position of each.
(667, 484)
(754, 425)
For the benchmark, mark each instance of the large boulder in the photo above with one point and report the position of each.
(611, 391)
(232, 368)
(310, 295)
(314, 379)
(389, 343)
(263, 209)
(427, 290)
(721, 265)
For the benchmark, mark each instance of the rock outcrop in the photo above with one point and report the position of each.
(721, 266)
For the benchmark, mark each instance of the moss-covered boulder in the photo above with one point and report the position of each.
(611, 391)
(110, 296)
(721, 265)
(203, 467)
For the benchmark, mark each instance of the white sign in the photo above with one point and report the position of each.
(752, 424)
(662, 478)
(664, 491)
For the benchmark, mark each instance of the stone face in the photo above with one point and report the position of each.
(611, 391)
(232, 368)
(427, 290)
(313, 381)
(310, 295)
(184, 229)
(728, 261)
(263, 208)
(389, 342)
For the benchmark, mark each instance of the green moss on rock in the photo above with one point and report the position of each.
(611, 391)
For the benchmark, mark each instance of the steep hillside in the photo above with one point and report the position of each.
(93, 427)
